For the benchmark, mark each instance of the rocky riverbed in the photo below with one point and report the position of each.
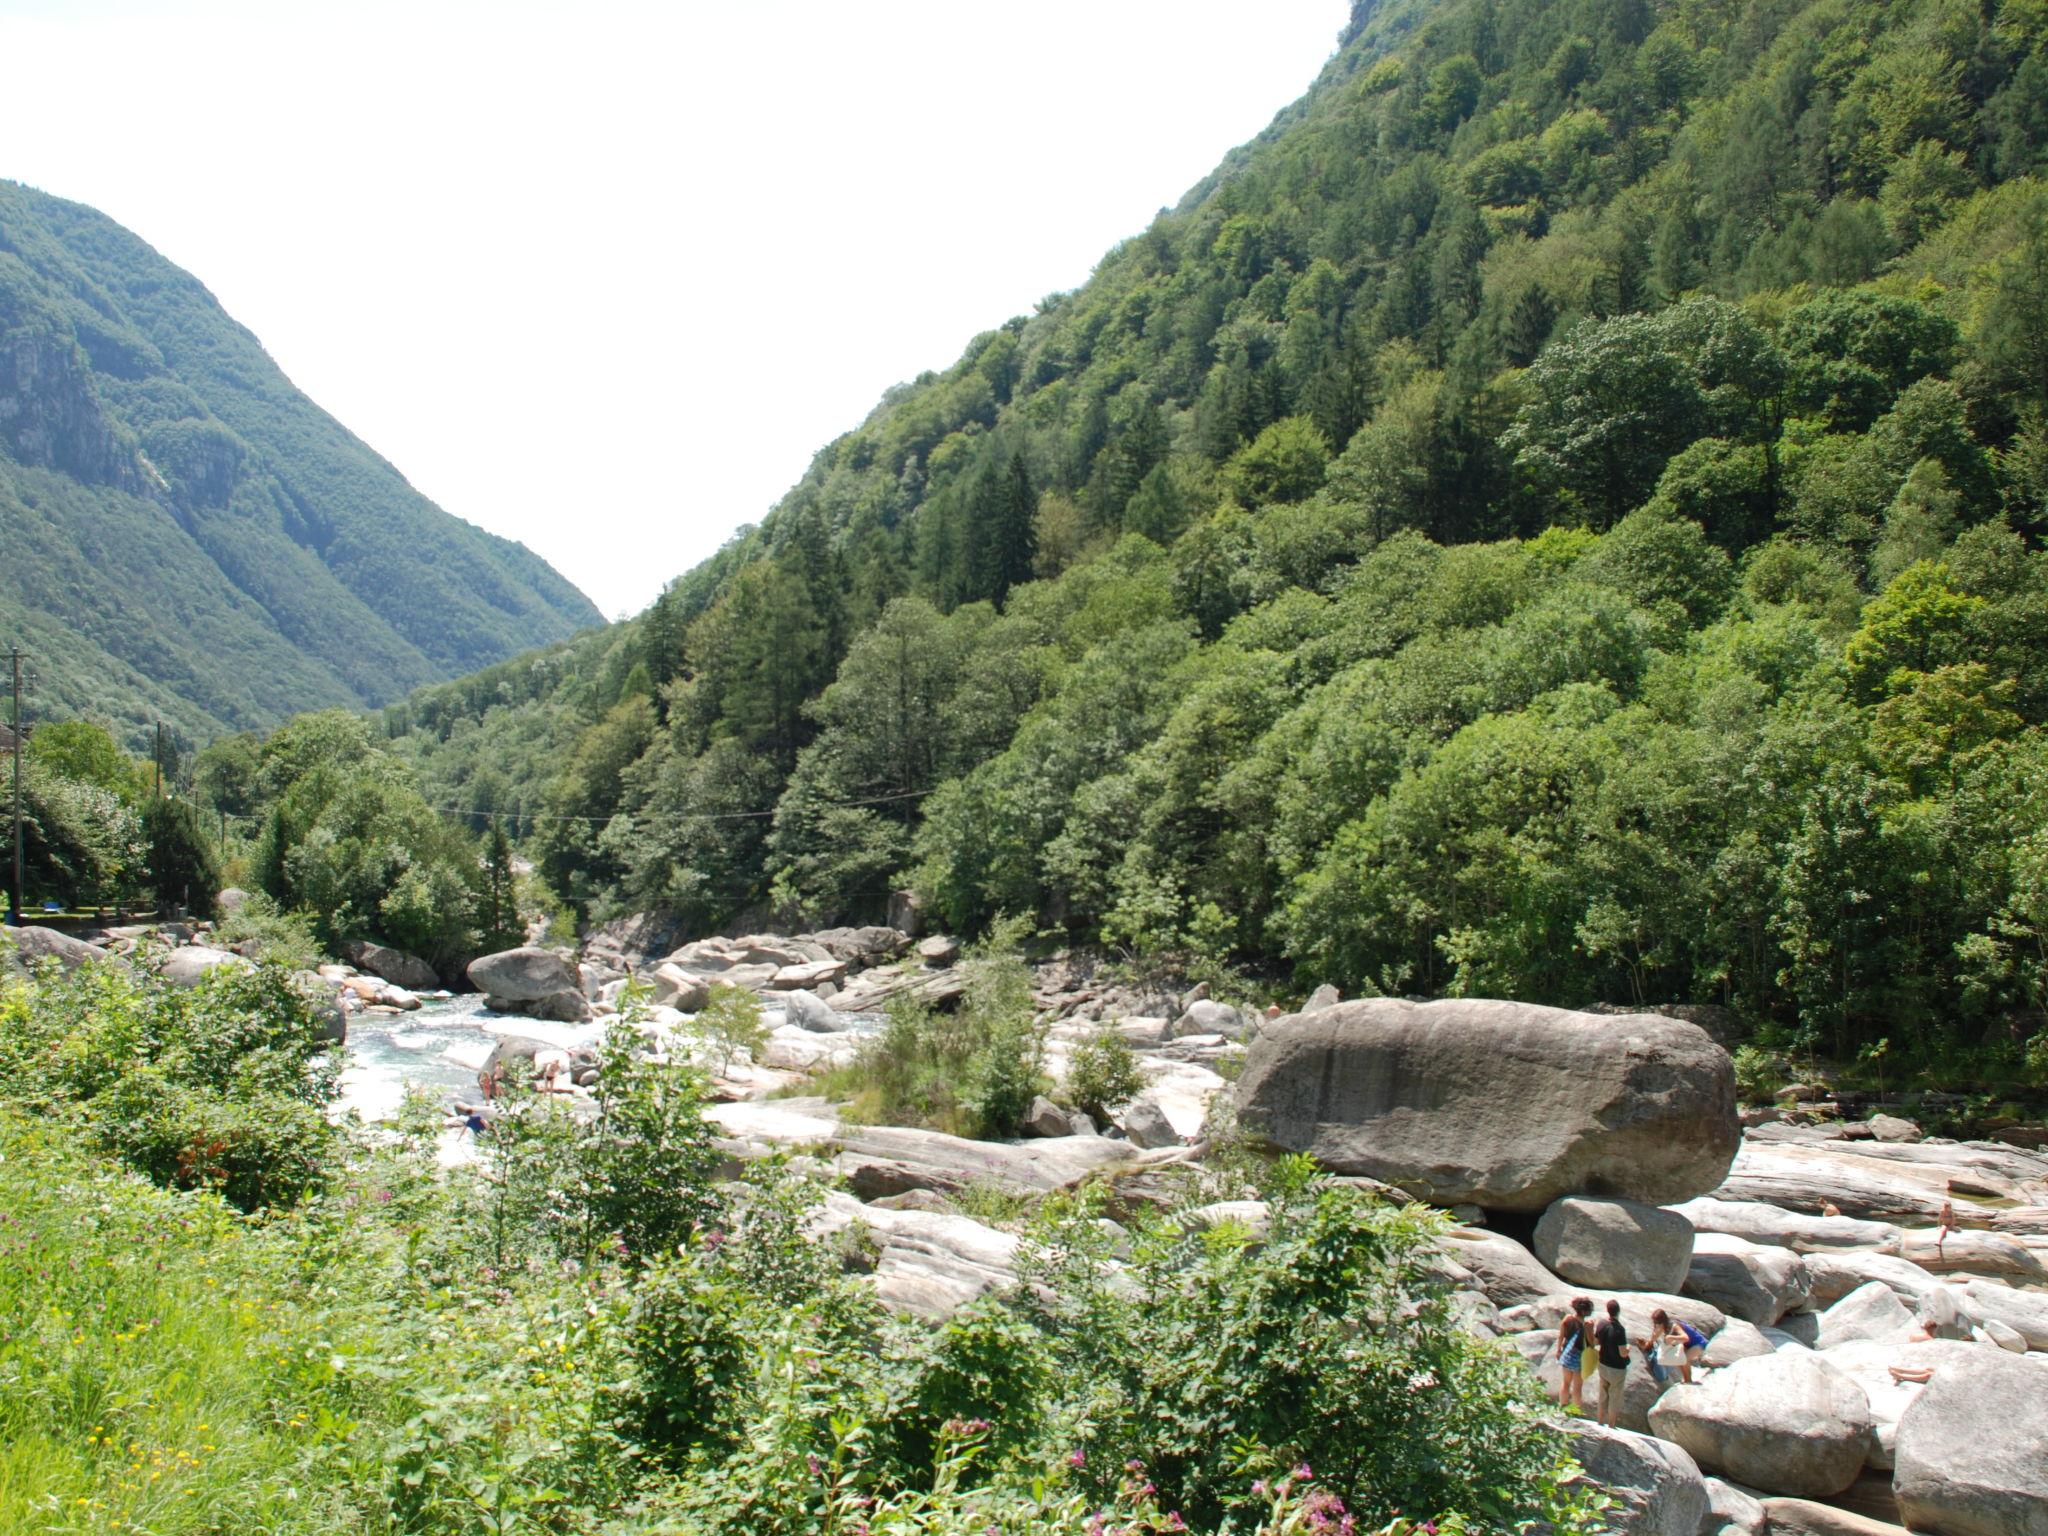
(1875, 1300)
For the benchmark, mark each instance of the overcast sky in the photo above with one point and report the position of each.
(602, 277)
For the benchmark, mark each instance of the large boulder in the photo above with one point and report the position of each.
(1657, 1489)
(807, 1010)
(1510, 1274)
(1786, 1423)
(32, 946)
(1834, 1275)
(1972, 1454)
(1499, 1104)
(190, 964)
(523, 975)
(677, 988)
(1731, 1512)
(1756, 1282)
(394, 965)
(1871, 1312)
(1615, 1244)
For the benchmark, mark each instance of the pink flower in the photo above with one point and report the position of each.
(1077, 1459)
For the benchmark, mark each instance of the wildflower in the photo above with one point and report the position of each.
(1077, 1459)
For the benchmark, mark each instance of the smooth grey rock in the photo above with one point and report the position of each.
(1972, 1453)
(1804, 1517)
(2025, 1312)
(1752, 1281)
(879, 1160)
(32, 945)
(191, 964)
(1785, 1423)
(1761, 1223)
(1975, 1253)
(1873, 1312)
(939, 949)
(1506, 1271)
(2003, 1335)
(1207, 1017)
(1869, 1364)
(526, 974)
(326, 1004)
(926, 1263)
(1145, 1123)
(1506, 1105)
(230, 902)
(1731, 1512)
(675, 987)
(1834, 1275)
(565, 1007)
(1325, 996)
(1615, 1244)
(1658, 1490)
(808, 1011)
(1737, 1340)
(1893, 1128)
(1045, 1118)
(394, 965)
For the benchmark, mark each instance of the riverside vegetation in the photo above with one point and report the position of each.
(299, 1332)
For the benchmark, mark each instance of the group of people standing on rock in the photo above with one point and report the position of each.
(1672, 1349)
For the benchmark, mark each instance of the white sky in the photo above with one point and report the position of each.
(602, 277)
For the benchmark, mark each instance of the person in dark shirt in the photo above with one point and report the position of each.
(1611, 1340)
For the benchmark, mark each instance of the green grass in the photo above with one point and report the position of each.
(157, 1369)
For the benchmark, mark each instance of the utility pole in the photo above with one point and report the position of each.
(14, 890)
(159, 759)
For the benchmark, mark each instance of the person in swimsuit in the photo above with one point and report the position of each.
(1571, 1354)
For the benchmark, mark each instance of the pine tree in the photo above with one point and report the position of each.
(1005, 533)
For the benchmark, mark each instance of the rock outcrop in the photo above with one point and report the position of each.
(394, 965)
(1505, 1105)
(536, 982)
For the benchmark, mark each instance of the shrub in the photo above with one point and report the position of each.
(690, 1345)
(730, 1022)
(1758, 1074)
(284, 938)
(1102, 1073)
(220, 1086)
(1329, 1343)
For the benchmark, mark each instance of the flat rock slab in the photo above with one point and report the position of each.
(1804, 1517)
(882, 1160)
(1504, 1105)
(1761, 1223)
(928, 1263)
(1874, 1181)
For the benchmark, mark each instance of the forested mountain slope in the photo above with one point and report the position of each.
(187, 537)
(1558, 516)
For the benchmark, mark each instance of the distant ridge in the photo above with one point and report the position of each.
(185, 536)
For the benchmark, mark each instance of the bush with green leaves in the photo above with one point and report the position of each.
(1102, 1073)
(973, 1072)
(730, 1023)
(220, 1086)
(277, 935)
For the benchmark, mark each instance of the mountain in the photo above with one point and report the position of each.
(1556, 516)
(187, 537)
